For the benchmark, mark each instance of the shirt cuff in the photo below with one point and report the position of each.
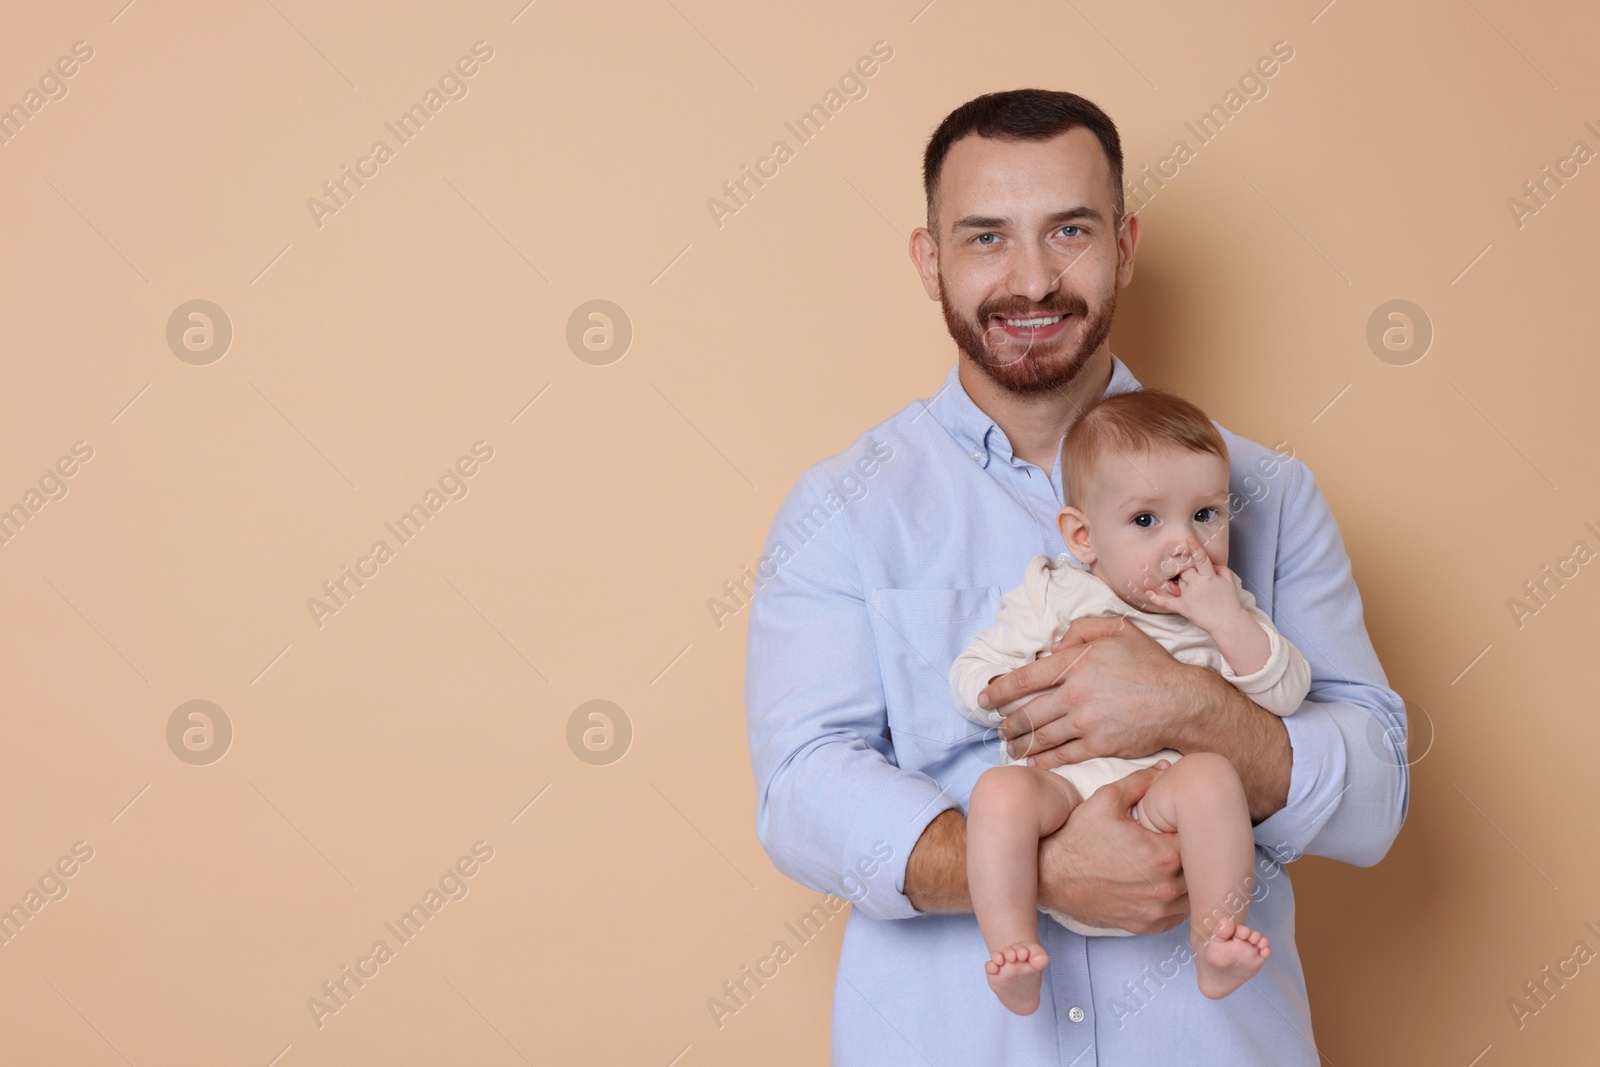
(1316, 782)
(878, 846)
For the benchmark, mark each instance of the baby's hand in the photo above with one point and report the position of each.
(1205, 594)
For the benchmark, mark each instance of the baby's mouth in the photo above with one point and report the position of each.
(1174, 585)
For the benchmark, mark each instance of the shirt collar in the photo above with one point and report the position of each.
(976, 432)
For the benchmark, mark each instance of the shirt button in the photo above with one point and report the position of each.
(1076, 1014)
(977, 456)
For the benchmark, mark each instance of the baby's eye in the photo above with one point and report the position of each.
(1205, 515)
(1139, 520)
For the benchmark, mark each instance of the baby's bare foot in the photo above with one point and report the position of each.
(1229, 960)
(1014, 975)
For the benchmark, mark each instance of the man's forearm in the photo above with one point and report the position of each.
(936, 871)
(1230, 724)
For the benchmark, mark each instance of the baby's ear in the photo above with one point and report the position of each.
(1074, 526)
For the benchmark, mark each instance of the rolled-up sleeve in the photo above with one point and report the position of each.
(1349, 784)
(830, 802)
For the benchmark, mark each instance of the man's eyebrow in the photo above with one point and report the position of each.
(998, 222)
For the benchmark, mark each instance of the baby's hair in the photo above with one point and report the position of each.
(1130, 423)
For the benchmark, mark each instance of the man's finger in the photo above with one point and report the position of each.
(1071, 751)
(1131, 788)
(1029, 678)
(1089, 628)
(1016, 724)
(1044, 737)
(1174, 918)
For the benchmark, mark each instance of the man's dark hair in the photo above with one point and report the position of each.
(1022, 115)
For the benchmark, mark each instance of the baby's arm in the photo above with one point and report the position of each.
(1257, 659)
(1242, 641)
(1284, 679)
(1212, 598)
(1018, 635)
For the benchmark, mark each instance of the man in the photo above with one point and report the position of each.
(884, 560)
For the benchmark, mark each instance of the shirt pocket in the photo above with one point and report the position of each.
(919, 633)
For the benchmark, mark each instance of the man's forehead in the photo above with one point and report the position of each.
(986, 174)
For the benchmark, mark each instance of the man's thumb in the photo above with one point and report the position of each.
(1088, 628)
(1135, 785)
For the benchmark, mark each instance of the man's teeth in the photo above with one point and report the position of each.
(1048, 321)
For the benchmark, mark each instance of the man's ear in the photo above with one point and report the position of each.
(1074, 526)
(925, 257)
(1127, 247)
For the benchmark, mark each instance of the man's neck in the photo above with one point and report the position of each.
(1035, 424)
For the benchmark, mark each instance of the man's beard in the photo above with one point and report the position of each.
(1022, 367)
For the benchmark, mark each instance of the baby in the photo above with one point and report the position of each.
(1145, 476)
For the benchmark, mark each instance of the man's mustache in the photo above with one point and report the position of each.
(1068, 304)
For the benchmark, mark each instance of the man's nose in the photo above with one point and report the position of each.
(1035, 273)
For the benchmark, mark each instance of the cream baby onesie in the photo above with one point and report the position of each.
(1036, 613)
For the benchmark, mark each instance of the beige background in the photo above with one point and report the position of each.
(432, 709)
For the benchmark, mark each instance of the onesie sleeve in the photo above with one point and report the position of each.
(1019, 633)
(1284, 680)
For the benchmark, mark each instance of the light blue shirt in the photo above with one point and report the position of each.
(882, 563)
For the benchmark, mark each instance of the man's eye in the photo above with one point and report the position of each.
(1205, 515)
(1078, 230)
(981, 236)
(1144, 520)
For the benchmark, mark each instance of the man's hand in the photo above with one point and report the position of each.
(1104, 869)
(1101, 868)
(1117, 693)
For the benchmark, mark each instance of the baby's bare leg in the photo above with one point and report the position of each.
(1012, 807)
(1201, 799)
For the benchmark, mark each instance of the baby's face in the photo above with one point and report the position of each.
(1149, 515)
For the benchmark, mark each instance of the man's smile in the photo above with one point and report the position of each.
(1033, 328)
